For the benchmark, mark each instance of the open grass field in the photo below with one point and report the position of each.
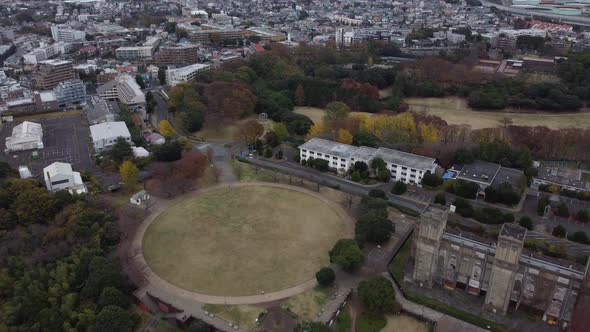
(454, 110)
(51, 115)
(243, 240)
(242, 315)
(404, 323)
(308, 304)
(227, 132)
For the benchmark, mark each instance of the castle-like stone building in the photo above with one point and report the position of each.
(501, 272)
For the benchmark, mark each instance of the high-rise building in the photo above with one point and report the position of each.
(343, 37)
(53, 72)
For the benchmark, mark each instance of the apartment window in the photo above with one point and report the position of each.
(404, 168)
(352, 159)
(59, 182)
(342, 165)
(319, 154)
(413, 170)
(342, 159)
(303, 150)
(335, 158)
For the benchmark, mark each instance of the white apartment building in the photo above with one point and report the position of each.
(138, 52)
(344, 38)
(45, 52)
(66, 34)
(104, 135)
(59, 176)
(184, 74)
(126, 90)
(406, 167)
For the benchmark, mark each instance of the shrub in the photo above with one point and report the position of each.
(356, 176)
(268, 153)
(399, 188)
(463, 208)
(377, 193)
(431, 180)
(464, 189)
(562, 210)
(542, 204)
(325, 276)
(526, 222)
(580, 237)
(441, 199)
(347, 254)
(582, 216)
(377, 294)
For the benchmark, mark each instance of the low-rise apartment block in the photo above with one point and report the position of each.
(184, 74)
(404, 166)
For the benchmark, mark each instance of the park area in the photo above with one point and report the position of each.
(317, 114)
(244, 239)
(455, 110)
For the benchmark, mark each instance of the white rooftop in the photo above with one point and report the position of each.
(109, 130)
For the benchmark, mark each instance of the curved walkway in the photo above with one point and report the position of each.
(172, 291)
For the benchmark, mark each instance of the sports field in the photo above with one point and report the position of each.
(243, 240)
(454, 110)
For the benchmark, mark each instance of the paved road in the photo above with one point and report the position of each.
(343, 184)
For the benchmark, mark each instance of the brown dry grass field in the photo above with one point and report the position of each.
(243, 240)
(454, 110)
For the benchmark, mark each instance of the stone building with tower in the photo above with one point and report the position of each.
(501, 272)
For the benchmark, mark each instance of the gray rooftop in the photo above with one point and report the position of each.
(364, 153)
(406, 159)
(479, 171)
(563, 177)
(329, 147)
(513, 231)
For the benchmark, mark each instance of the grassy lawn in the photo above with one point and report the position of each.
(405, 323)
(242, 315)
(366, 322)
(454, 110)
(344, 321)
(248, 173)
(308, 304)
(51, 115)
(586, 176)
(399, 262)
(242, 241)
(227, 132)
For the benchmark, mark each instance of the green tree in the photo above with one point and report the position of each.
(431, 180)
(377, 294)
(559, 231)
(580, 237)
(140, 81)
(112, 318)
(325, 276)
(526, 222)
(377, 193)
(281, 130)
(169, 151)
(562, 210)
(364, 138)
(542, 203)
(112, 296)
(162, 75)
(347, 254)
(399, 188)
(121, 150)
(268, 153)
(374, 227)
(441, 199)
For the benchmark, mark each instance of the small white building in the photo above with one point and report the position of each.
(404, 166)
(140, 152)
(25, 136)
(24, 172)
(139, 197)
(59, 176)
(104, 135)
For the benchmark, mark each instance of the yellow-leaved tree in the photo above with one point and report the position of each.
(428, 133)
(129, 173)
(315, 131)
(166, 129)
(344, 136)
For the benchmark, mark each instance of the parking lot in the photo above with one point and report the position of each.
(65, 139)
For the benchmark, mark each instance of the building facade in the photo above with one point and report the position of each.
(126, 90)
(177, 54)
(500, 272)
(406, 167)
(60, 176)
(67, 34)
(53, 72)
(69, 93)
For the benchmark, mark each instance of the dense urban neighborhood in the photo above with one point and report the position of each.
(309, 166)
